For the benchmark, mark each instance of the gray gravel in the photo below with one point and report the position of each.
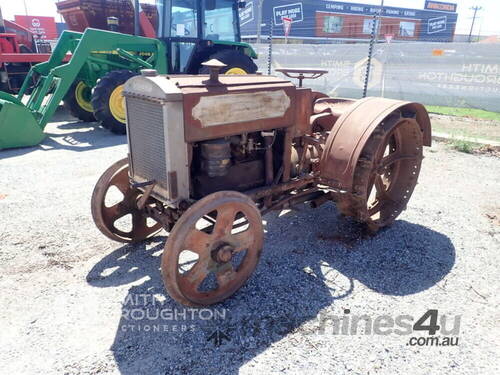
(67, 290)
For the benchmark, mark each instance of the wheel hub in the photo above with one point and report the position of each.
(223, 254)
(117, 104)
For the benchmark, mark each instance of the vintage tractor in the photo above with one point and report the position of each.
(209, 155)
(87, 70)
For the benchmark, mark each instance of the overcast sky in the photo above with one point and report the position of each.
(487, 22)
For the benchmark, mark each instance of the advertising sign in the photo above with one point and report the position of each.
(327, 19)
(437, 25)
(293, 11)
(438, 5)
(44, 28)
(247, 13)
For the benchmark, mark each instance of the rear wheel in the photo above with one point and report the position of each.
(78, 101)
(108, 100)
(237, 63)
(386, 173)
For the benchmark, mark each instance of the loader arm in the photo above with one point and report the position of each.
(93, 53)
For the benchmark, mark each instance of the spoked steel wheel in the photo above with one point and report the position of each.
(213, 249)
(386, 173)
(114, 207)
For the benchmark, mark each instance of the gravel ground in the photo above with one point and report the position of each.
(75, 302)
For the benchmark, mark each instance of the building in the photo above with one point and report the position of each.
(320, 21)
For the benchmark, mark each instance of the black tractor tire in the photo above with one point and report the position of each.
(102, 97)
(75, 98)
(235, 61)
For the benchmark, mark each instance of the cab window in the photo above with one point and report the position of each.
(220, 23)
(184, 19)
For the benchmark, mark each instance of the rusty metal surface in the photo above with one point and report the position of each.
(105, 217)
(303, 111)
(238, 104)
(215, 246)
(353, 129)
(386, 173)
(256, 108)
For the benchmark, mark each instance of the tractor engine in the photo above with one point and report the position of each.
(195, 136)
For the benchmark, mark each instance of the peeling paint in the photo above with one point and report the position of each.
(235, 108)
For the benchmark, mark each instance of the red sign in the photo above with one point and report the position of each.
(42, 27)
(287, 25)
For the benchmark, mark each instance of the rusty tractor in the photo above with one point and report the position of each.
(209, 155)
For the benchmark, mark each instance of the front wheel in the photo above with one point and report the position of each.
(237, 63)
(213, 249)
(108, 100)
(77, 101)
(114, 207)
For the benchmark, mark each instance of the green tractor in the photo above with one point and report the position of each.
(87, 70)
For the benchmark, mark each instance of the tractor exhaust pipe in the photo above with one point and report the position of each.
(137, 26)
(2, 24)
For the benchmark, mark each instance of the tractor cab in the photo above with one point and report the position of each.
(194, 30)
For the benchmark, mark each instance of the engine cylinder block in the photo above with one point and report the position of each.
(216, 157)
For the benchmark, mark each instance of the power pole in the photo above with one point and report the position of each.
(475, 9)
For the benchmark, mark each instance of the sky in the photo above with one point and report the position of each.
(487, 22)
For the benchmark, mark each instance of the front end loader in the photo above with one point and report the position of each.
(88, 70)
(93, 54)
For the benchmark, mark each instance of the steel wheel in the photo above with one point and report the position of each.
(213, 249)
(386, 173)
(106, 216)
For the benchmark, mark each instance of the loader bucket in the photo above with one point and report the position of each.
(18, 126)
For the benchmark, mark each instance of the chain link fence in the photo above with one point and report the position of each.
(446, 74)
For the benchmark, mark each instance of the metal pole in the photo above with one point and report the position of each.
(373, 39)
(2, 24)
(259, 20)
(270, 55)
(25, 8)
(475, 9)
(137, 26)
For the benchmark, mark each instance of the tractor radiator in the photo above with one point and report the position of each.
(157, 148)
(147, 142)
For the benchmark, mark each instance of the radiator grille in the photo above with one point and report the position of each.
(147, 141)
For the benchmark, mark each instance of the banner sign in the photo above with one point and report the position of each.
(293, 11)
(438, 5)
(329, 19)
(247, 13)
(437, 25)
(43, 28)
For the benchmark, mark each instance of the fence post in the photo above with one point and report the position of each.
(270, 53)
(373, 39)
